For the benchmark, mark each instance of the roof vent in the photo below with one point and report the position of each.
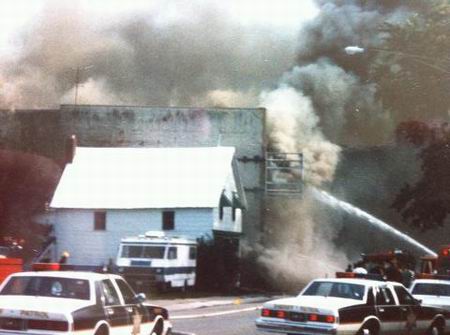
(155, 234)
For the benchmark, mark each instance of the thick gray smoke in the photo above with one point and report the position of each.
(203, 60)
(317, 97)
(298, 248)
(324, 99)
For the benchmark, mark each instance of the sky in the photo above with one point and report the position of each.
(285, 16)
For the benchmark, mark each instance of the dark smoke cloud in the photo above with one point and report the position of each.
(336, 83)
(140, 61)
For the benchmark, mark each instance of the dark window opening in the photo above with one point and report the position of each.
(168, 220)
(192, 253)
(100, 220)
(224, 202)
(172, 254)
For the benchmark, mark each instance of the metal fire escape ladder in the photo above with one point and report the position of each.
(284, 173)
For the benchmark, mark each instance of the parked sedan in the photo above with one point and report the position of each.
(351, 306)
(53, 302)
(432, 292)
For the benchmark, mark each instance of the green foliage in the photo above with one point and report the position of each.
(426, 204)
(412, 73)
(412, 67)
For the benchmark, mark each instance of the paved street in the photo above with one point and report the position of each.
(214, 315)
(219, 320)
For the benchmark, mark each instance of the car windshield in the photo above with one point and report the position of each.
(139, 251)
(47, 287)
(431, 289)
(333, 289)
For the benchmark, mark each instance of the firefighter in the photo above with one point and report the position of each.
(393, 272)
(64, 257)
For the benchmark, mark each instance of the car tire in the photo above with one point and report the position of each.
(158, 329)
(435, 329)
(368, 330)
(102, 331)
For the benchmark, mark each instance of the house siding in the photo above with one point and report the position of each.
(74, 230)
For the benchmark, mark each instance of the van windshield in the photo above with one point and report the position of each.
(139, 251)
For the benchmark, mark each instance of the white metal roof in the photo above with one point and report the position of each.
(126, 178)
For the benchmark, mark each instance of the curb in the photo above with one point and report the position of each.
(181, 333)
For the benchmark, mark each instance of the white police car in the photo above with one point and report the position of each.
(432, 292)
(351, 306)
(69, 302)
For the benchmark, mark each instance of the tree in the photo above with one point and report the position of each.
(412, 72)
(412, 66)
(426, 204)
(26, 182)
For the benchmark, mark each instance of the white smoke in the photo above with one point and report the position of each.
(294, 127)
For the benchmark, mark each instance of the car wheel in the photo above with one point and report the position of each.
(158, 329)
(435, 329)
(367, 330)
(102, 331)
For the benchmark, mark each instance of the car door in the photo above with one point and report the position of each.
(138, 315)
(414, 320)
(116, 313)
(388, 311)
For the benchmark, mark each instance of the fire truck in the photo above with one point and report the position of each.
(377, 265)
(9, 261)
(439, 265)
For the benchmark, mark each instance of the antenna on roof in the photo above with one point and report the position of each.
(219, 140)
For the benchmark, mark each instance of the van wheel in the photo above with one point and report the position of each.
(159, 327)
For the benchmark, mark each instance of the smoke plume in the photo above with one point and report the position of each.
(141, 61)
(299, 248)
(317, 98)
(323, 101)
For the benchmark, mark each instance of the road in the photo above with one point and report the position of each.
(219, 320)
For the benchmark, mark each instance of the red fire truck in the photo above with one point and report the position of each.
(439, 265)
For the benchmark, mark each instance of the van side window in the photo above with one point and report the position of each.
(192, 253)
(172, 254)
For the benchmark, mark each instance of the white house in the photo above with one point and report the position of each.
(106, 194)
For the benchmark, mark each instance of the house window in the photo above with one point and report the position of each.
(168, 220)
(100, 220)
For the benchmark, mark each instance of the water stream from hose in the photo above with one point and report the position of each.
(330, 200)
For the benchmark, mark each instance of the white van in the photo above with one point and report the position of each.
(155, 258)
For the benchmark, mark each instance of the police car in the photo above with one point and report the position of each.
(432, 292)
(351, 306)
(69, 302)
